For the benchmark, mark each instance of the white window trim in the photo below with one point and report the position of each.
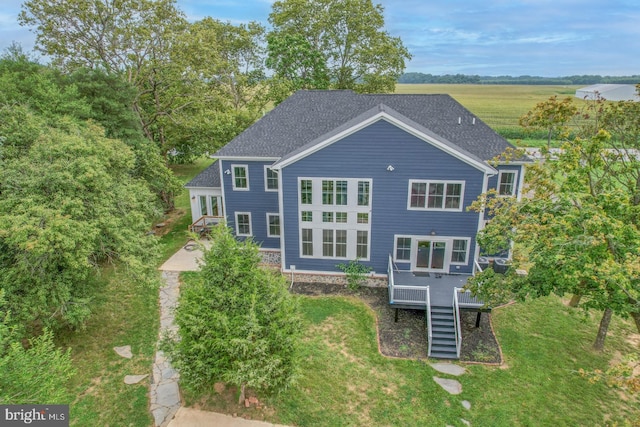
(466, 259)
(444, 200)
(266, 180)
(269, 215)
(515, 182)
(250, 224)
(233, 177)
(352, 208)
(395, 248)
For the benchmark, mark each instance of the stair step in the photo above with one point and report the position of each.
(444, 342)
(443, 335)
(443, 355)
(443, 329)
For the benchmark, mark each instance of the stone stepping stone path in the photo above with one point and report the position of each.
(124, 351)
(452, 386)
(164, 391)
(134, 379)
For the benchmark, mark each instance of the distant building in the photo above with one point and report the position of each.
(610, 92)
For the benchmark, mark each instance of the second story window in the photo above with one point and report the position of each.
(436, 195)
(306, 192)
(270, 179)
(507, 183)
(240, 177)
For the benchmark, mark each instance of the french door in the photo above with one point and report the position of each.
(430, 255)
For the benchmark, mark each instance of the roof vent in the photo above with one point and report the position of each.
(473, 122)
(459, 120)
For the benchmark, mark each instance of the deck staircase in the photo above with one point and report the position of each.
(443, 332)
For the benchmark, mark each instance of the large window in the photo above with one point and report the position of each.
(507, 183)
(306, 192)
(243, 223)
(335, 217)
(334, 192)
(435, 195)
(362, 248)
(270, 179)
(240, 177)
(273, 224)
(307, 242)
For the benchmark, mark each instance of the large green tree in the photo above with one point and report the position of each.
(340, 43)
(68, 203)
(579, 231)
(237, 322)
(196, 85)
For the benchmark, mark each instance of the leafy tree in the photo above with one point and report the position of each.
(237, 322)
(339, 42)
(196, 85)
(68, 204)
(35, 374)
(220, 84)
(551, 115)
(580, 231)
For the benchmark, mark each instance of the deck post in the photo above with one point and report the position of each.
(396, 318)
(478, 319)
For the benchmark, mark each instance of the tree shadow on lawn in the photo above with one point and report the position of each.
(407, 338)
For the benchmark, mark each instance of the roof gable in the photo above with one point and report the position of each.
(311, 116)
(382, 112)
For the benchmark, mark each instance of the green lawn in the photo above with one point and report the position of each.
(124, 313)
(345, 381)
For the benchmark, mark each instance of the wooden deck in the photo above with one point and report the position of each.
(408, 290)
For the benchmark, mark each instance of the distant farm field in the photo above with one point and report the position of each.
(499, 106)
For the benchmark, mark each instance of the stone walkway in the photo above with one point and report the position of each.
(452, 386)
(164, 391)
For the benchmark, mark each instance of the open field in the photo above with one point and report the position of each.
(499, 106)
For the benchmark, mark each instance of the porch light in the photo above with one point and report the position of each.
(227, 172)
(433, 232)
(390, 168)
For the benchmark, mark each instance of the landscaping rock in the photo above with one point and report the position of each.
(448, 368)
(450, 386)
(465, 422)
(134, 379)
(466, 404)
(124, 351)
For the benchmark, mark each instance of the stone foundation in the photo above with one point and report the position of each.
(334, 279)
(273, 259)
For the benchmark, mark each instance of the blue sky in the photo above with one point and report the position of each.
(491, 37)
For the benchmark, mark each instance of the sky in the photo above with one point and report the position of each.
(547, 38)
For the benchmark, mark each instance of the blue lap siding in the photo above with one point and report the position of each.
(256, 200)
(367, 154)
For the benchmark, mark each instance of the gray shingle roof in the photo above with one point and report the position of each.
(308, 115)
(210, 177)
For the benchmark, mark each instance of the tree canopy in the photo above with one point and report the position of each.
(237, 322)
(579, 231)
(339, 44)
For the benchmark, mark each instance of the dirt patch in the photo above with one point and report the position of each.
(407, 337)
(164, 226)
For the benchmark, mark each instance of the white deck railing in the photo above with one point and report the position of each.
(404, 294)
(456, 321)
(429, 328)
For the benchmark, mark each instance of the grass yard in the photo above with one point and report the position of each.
(124, 313)
(345, 381)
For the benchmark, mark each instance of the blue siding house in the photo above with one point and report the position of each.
(332, 176)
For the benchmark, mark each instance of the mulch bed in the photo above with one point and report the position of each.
(407, 338)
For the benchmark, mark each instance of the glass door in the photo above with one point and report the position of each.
(430, 255)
